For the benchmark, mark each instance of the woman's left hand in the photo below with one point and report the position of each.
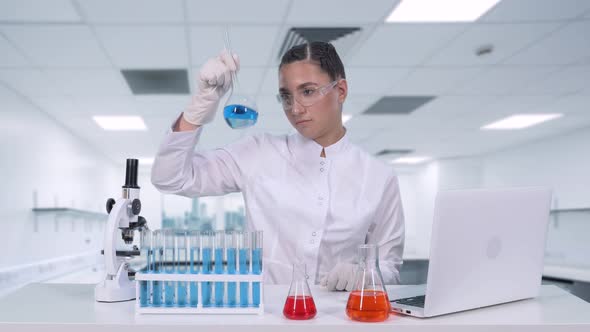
(341, 277)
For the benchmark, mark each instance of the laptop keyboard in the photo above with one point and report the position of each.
(416, 301)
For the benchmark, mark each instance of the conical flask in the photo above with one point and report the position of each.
(368, 301)
(299, 304)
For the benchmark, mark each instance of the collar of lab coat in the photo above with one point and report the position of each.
(309, 150)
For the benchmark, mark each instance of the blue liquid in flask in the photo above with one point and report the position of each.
(239, 116)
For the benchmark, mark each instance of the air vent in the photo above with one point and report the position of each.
(398, 104)
(342, 38)
(396, 152)
(157, 81)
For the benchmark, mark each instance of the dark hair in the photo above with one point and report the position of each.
(322, 53)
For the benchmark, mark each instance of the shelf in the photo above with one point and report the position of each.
(70, 211)
(571, 210)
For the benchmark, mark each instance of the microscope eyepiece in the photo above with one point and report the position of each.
(131, 174)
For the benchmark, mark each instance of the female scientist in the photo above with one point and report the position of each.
(315, 195)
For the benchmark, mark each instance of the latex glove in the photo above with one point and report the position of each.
(215, 79)
(341, 277)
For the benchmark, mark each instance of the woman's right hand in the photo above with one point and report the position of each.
(215, 79)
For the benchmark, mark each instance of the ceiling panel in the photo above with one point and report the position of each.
(501, 80)
(567, 80)
(89, 82)
(38, 11)
(145, 47)
(336, 12)
(96, 105)
(356, 103)
(237, 11)
(57, 45)
(506, 39)
(536, 10)
(571, 104)
(565, 46)
(9, 56)
(29, 82)
(169, 106)
(270, 83)
(433, 80)
(253, 44)
(375, 80)
(12, 103)
(404, 44)
(133, 11)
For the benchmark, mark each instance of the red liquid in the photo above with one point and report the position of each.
(368, 306)
(299, 307)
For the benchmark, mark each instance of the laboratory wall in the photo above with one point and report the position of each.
(45, 165)
(560, 162)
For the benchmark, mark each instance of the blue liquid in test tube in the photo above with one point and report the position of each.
(146, 252)
(195, 245)
(256, 269)
(181, 267)
(244, 269)
(157, 259)
(231, 269)
(206, 268)
(219, 270)
(170, 260)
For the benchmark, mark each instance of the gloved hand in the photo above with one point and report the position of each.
(215, 78)
(341, 277)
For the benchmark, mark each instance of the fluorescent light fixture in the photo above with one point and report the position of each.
(410, 160)
(145, 161)
(346, 117)
(440, 10)
(520, 121)
(119, 122)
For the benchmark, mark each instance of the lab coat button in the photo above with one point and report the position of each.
(321, 169)
(313, 234)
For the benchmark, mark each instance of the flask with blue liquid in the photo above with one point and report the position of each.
(239, 111)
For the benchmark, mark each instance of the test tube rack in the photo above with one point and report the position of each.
(199, 279)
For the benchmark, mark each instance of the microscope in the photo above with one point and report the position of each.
(123, 218)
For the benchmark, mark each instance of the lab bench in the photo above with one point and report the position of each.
(71, 307)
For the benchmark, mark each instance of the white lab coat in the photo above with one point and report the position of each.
(310, 208)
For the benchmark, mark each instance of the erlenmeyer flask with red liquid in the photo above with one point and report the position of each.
(299, 304)
(368, 302)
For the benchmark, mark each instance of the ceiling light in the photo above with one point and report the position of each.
(145, 161)
(440, 11)
(520, 121)
(410, 160)
(120, 122)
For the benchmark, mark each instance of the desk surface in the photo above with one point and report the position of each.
(65, 307)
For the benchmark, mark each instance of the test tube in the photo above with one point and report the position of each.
(207, 267)
(231, 243)
(219, 258)
(182, 264)
(256, 265)
(195, 254)
(145, 245)
(170, 266)
(244, 264)
(157, 244)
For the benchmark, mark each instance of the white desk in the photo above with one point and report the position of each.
(71, 307)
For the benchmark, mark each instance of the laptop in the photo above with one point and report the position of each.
(487, 247)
